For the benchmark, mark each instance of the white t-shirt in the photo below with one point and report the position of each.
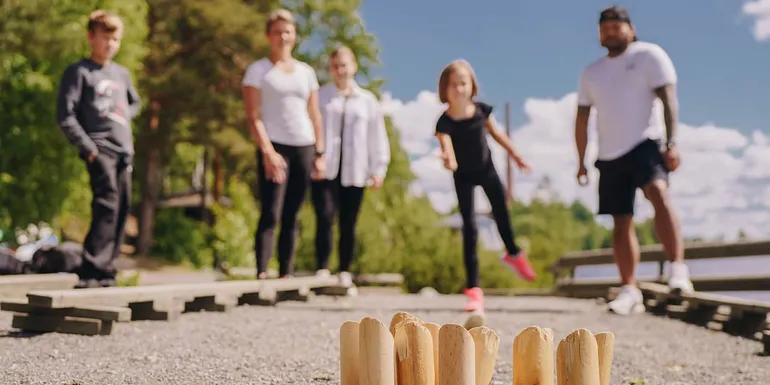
(621, 89)
(284, 98)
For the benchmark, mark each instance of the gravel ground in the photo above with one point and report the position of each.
(296, 343)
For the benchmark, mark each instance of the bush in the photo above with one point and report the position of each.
(233, 233)
(179, 239)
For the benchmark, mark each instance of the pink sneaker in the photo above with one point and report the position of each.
(519, 264)
(475, 299)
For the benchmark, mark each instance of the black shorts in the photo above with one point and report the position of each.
(620, 177)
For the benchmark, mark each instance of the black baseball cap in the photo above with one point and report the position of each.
(616, 13)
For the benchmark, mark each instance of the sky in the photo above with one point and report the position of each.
(530, 54)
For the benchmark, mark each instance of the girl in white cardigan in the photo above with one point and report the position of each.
(357, 155)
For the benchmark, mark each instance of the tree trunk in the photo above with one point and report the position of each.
(204, 192)
(150, 185)
(218, 176)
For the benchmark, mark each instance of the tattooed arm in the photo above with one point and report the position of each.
(667, 95)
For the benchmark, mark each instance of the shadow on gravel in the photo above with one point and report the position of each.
(16, 334)
(434, 309)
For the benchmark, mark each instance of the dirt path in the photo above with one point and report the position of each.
(296, 343)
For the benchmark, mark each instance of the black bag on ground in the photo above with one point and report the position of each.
(63, 258)
(9, 265)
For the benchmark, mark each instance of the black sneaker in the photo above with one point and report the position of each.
(108, 282)
(86, 283)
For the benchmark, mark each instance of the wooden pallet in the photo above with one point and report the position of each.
(735, 316)
(92, 311)
(17, 286)
(85, 320)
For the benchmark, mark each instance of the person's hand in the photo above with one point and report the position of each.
(582, 175)
(275, 167)
(92, 156)
(319, 167)
(672, 158)
(449, 161)
(375, 182)
(523, 166)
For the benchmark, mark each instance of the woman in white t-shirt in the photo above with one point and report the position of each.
(280, 96)
(358, 156)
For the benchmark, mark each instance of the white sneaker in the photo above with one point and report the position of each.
(679, 280)
(346, 279)
(629, 301)
(323, 273)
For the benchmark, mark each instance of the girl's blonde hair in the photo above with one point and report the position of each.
(340, 50)
(443, 80)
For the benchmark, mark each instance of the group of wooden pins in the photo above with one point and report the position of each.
(414, 352)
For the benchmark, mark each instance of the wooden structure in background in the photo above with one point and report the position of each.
(746, 318)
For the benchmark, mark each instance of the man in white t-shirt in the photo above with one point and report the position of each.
(624, 87)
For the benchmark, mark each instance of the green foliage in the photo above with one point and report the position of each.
(39, 169)
(180, 239)
(188, 58)
(235, 226)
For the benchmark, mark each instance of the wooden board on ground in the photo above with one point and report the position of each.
(598, 288)
(121, 296)
(61, 324)
(745, 317)
(104, 313)
(17, 286)
(69, 311)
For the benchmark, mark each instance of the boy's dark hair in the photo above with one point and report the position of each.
(104, 21)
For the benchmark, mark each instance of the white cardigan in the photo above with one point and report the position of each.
(366, 150)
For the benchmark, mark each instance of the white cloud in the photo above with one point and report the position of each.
(720, 188)
(760, 11)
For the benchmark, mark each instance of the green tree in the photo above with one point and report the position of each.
(191, 80)
(199, 51)
(40, 173)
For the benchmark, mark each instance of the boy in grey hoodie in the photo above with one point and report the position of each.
(96, 103)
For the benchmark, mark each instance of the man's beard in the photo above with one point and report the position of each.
(616, 46)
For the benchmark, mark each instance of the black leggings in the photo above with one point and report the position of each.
(282, 201)
(331, 198)
(493, 187)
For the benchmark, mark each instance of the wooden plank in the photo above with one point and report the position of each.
(104, 313)
(592, 287)
(654, 253)
(59, 324)
(158, 310)
(122, 296)
(213, 303)
(126, 295)
(734, 303)
(17, 286)
(746, 317)
(337, 291)
(30, 280)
